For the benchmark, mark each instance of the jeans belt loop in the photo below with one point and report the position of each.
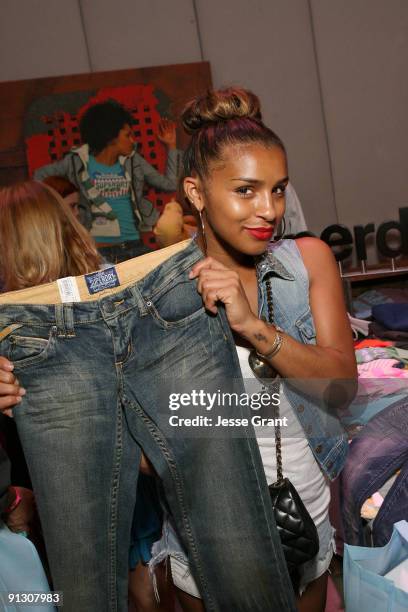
(140, 303)
(65, 320)
(69, 320)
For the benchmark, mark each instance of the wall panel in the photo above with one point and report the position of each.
(133, 34)
(362, 49)
(41, 38)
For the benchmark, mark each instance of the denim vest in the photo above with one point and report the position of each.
(290, 287)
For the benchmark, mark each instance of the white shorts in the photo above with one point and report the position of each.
(169, 547)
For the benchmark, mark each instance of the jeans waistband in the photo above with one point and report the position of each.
(140, 279)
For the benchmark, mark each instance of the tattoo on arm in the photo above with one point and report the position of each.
(260, 338)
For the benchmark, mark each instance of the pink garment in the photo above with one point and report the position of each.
(381, 368)
(379, 378)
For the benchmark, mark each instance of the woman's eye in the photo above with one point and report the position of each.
(244, 191)
(280, 190)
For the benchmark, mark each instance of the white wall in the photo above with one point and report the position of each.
(40, 38)
(136, 33)
(362, 52)
(331, 76)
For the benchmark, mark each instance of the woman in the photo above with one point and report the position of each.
(235, 176)
(42, 241)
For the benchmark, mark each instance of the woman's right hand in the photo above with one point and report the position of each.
(10, 390)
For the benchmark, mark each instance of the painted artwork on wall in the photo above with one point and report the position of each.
(44, 114)
(51, 129)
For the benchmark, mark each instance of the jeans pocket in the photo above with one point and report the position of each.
(29, 345)
(179, 305)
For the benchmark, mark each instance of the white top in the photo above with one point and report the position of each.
(299, 464)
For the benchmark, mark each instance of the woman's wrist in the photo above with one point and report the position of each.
(265, 338)
(273, 349)
(248, 328)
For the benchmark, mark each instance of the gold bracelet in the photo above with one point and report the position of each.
(275, 348)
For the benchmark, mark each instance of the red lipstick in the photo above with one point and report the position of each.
(260, 233)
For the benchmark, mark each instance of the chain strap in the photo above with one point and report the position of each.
(278, 436)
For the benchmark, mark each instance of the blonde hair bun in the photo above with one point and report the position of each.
(221, 105)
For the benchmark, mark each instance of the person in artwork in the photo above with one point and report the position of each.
(110, 174)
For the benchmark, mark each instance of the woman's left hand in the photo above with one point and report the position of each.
(216, 283)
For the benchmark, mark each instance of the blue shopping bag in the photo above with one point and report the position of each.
(20, 571)
(365, 588)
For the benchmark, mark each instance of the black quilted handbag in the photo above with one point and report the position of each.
(297, 531)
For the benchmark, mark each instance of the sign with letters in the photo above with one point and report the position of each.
(345, 240)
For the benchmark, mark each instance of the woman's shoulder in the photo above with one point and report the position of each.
(308, 256)
(313, 248)
(317, 256)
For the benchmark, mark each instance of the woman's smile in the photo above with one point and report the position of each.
(260, 233)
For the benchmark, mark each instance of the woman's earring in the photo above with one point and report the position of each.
(203, 232)
(282, 232)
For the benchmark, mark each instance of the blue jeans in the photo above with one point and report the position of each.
(98, 375)
(375, 455)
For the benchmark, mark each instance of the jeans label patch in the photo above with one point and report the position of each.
(104, 279)
(68, 288)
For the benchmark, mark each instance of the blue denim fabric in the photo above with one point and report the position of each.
(88, 412)
(290, 285)
(380, 449)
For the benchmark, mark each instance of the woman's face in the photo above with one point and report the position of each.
(125, 140)
(244, 198)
